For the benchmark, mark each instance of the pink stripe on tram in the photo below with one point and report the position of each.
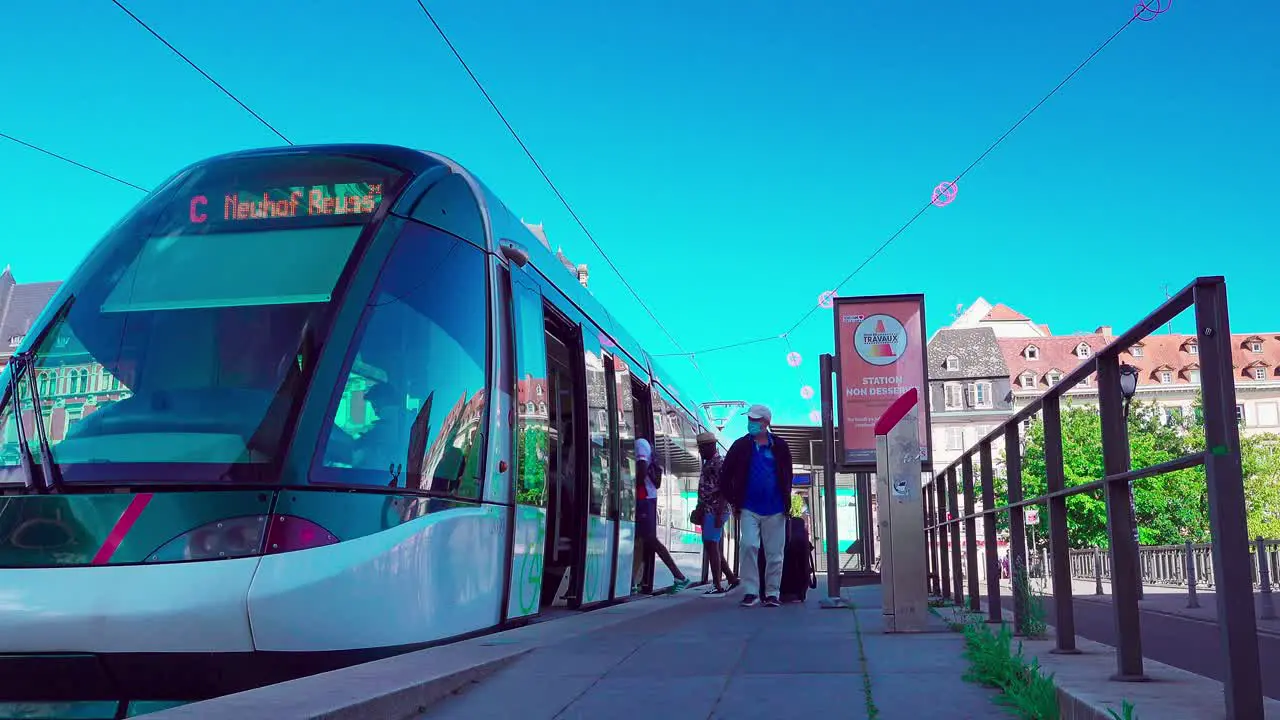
(122, 528)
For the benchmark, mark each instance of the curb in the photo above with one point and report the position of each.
(361, 692)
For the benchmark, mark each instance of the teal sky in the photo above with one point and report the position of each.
(734, 160)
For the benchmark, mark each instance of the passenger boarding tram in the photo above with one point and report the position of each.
(307, 407)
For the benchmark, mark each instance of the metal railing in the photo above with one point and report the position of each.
(1166, 565)
(1231, 565)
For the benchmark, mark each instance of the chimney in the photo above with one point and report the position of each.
(1104, 331)
(582, 275)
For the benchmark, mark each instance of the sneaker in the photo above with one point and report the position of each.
(679, 585)
(750, 601)
(772, 601)
(715, 592)
(734, 585)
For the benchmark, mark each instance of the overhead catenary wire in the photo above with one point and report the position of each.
(200, 70)
(560, 196)
(898, 233)
(68, 160)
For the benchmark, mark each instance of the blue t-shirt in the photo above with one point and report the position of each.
(763, 497)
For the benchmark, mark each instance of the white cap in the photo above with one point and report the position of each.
(760, 412)
(643, 451)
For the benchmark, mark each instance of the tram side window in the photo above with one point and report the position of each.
(413, 407)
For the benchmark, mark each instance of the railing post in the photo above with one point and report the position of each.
(957, 569)
(1233, 584)
(1192, 600)
(1264, 581)
(1097, 571)
(931, 518)
(970, 535)
(944, 556)
(1017, 527)
(995, 614)
(1124, 551)
(1059, 543)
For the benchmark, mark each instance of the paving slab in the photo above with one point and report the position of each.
(916, 675)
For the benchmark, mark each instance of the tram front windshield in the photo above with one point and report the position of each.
(183, 339)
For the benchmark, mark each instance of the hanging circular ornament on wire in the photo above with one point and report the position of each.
(1148, 10)
(827, 299)
(794, 359)
(806, 392)
(815, 417)
(944, 194)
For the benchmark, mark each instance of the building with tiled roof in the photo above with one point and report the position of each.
(969, 390)
(1003, 320)
(20, 305)
(1169, 373)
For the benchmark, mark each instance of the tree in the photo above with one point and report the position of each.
(1170, 507)
(1260, 456)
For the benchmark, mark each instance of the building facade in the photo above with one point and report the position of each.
(1035, 359)
(969, 391)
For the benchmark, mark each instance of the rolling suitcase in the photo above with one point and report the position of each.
(798, 572)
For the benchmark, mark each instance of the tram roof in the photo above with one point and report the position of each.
(500, 223)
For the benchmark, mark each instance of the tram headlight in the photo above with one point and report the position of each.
(243, 537)
(231, 538)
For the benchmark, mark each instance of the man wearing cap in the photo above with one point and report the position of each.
(756, 480)
(714, 512)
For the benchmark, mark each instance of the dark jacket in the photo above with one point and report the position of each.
(737, 466)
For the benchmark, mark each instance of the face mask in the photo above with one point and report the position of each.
(754, 427)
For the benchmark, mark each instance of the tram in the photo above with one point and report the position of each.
(335, 403)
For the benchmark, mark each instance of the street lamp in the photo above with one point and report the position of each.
(1129, 386)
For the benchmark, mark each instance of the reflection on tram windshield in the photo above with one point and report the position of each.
(184, 337)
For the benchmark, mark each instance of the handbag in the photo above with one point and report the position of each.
(697, 515)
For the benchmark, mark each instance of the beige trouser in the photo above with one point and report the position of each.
(769, 532)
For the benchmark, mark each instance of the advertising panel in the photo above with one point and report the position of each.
(880, 355)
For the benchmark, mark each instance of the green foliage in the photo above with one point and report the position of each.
(1126, 712)
(993, 663)
(1033, 615)
(1260, 456)
(1171, 508)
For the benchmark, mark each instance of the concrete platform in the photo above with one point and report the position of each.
(713, 659)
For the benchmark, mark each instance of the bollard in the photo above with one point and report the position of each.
(1264, 580)
(1192, 600)
(1097, 571)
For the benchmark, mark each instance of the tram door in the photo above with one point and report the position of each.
(568, 466)
(528, 528)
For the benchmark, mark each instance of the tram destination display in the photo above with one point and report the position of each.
(248, 206)
(254, 194)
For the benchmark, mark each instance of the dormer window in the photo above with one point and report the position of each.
(1260, 373)
(1083, 350)
(1166, 376)
(1053, 376)
(1255, 346)
(1027, 380)
(1193, 348)
(16, 340)
(952, 363)
(1031, 353)
(1136, 351)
